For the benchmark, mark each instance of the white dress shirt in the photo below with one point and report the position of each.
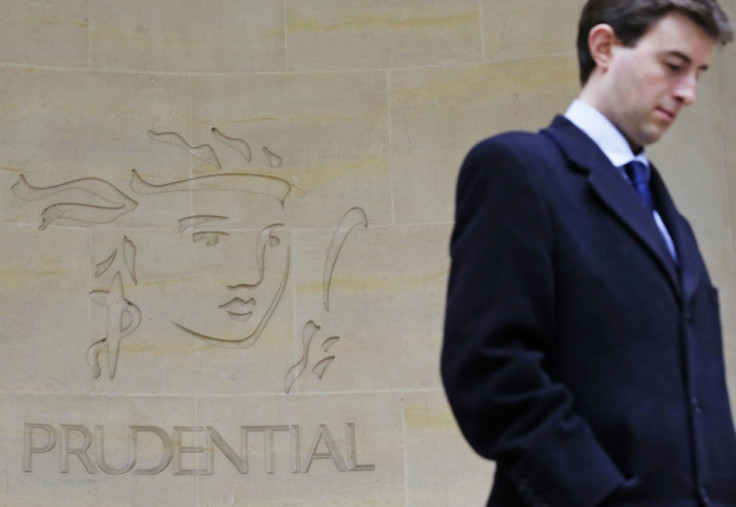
(614, 145)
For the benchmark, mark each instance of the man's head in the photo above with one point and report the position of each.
(641, 60)
(631, 19)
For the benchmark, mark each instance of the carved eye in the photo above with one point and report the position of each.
(273, 241)
(211, 237)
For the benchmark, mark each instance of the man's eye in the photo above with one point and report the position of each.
(674, 67)
(211, 237)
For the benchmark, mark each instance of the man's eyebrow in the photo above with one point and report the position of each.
(684, 57)
(195, 220)
(678, 54)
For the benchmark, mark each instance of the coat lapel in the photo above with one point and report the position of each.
(687, 250)
(614, 191)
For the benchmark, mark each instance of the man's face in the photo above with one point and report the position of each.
(645, 86)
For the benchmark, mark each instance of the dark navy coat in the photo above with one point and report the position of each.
(577, 354)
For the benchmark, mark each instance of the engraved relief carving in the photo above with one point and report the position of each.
(248, 305)
(103, 266)
(319, 369)
(350, 220)
(211, 238)
(89, 449)
(236, 182)
(239, 145)
(273, 159)
(248, 308)
(203, 152)
(129, 250)
(243, 308)
(123, 317)
(308, 332)
(195, 220)
(100, 202)
(243, 147)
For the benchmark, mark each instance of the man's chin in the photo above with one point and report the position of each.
(647, 137)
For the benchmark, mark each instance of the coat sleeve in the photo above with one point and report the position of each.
(500, 320)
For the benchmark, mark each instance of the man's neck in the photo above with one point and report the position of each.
(603, 132)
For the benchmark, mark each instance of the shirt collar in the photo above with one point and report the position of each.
(600, 129)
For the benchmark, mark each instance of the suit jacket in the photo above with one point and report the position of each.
(577, 354)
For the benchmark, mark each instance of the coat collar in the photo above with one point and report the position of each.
(604, 179)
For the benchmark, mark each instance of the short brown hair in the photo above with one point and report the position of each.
(630, 19)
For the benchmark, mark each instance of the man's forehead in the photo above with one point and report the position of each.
(679, 36)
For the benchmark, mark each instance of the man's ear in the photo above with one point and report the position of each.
(601, 42)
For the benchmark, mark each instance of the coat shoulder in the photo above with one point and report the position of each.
(514, 143)
(515, 155)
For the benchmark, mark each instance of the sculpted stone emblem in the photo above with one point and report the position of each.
(89, 448)
(237, 314)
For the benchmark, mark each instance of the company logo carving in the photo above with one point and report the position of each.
(70, 445)
(240, 306)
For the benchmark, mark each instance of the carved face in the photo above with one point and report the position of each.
(235, 272)
(243, 304)
(219, 278)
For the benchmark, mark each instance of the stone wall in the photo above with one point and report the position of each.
(224, 238)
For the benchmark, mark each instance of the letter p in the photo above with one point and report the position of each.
(29, 449)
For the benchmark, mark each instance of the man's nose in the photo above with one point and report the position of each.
(686, 89)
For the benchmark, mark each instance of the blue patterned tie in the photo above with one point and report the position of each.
(639, 177)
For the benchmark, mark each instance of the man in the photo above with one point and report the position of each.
(582, 344)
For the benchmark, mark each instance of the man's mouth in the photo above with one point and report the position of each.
(668, 114)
